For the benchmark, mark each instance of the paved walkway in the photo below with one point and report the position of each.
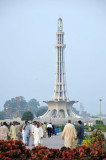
(54, 141)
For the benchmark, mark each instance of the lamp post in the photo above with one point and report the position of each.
(100, 107)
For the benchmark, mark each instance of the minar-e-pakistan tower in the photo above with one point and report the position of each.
(60, 106)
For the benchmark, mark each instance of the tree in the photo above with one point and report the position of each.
(42, 110)
(27, 116)
(15, 107)
(33, 105)
(2, 115)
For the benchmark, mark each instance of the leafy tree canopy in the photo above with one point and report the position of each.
(33, 105)
(15, 107)
(42, 110)
(2, 115)
(27, 116)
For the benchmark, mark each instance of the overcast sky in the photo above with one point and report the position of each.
(28, 57)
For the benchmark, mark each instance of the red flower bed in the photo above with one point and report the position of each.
(10, 150)
(15, 150)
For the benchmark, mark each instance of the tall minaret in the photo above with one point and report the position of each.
(60, 93)
(60, 106)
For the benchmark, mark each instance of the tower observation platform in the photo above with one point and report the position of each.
(60, 106)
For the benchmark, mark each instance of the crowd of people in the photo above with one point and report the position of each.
(33, 132)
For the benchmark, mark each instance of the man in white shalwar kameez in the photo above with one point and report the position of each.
(18, 131)
(31, 139)
(38, 135)
(4, 132)
(13, 131)
(34, 125)
(69, 135)
(26, 133)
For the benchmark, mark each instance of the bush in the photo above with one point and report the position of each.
(15, 150)
(87, 128)
(86, 136)
(86, 142)
(96, 136)
(99, 125)
(99, 122)
(104, 146)
(99, 128)
(27, 116)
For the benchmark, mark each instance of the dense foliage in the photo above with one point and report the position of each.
(99, 125)
(33, 105)
(16, 150)
(42, 110)
(104, 146)
(2, 115)
(15, 107)
(27, 116)
(10, 150)
(96, 136)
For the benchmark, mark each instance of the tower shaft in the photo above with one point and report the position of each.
(60, 106)
(60, 93)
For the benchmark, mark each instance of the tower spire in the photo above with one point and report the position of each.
(60, 106)
(60, 25)
(60, 92)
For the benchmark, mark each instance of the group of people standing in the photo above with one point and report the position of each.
(32, 133)
(14, 133)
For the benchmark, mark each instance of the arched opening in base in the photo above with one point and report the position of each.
(53, 113)
(61, 113)
(68, 112)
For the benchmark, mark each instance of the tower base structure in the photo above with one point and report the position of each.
(60, 109)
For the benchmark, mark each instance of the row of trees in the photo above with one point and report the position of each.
(15, 107)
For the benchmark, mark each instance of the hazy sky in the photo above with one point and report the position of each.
(28, 57)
